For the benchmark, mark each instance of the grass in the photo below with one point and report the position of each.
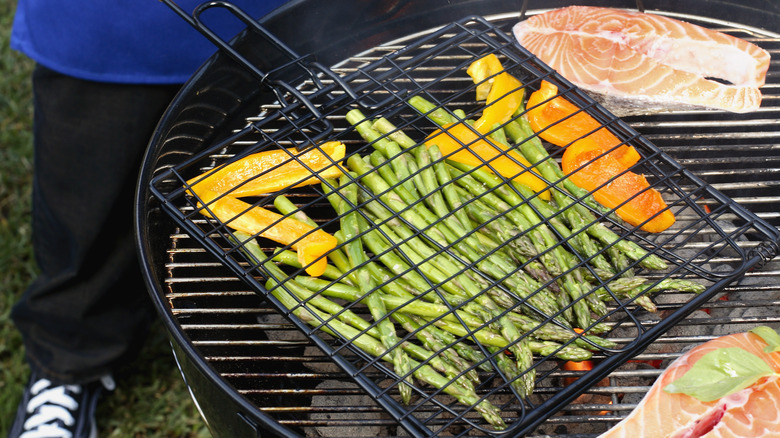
(151, 399)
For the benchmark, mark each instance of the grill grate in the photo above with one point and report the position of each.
(250, 352)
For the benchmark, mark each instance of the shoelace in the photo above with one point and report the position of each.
(52, 408)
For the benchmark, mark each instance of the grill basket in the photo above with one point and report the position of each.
(314, 111)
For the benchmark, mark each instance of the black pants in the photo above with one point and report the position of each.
(88, 309)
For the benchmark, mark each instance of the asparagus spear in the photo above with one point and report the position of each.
(362, 277)
(448, 188)
(365, 342)
(638, 289)
(434, 344)
(430, 187)
(517, 342)
(393, 284)
(423, 372)
(468, 352)
(386, 127)
(438, 363)
(390, 149)
(290, 258)
(437, 114)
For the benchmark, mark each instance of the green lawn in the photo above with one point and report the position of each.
(151, 399)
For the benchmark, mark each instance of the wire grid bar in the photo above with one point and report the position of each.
(434, 67)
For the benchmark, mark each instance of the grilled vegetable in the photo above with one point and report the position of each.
(614, 186)
(458, 269)
(350, 228)
(271, 171)
(266, 172)
(595, 160)
(311, 244)
(483, 72)
(504, 97)
(561, 123)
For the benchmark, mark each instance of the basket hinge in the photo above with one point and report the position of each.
(766, 250)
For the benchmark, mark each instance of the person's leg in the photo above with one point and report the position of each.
(86, 310)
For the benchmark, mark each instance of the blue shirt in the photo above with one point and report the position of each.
(124, 41)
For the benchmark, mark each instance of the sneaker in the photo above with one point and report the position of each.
(48, 410)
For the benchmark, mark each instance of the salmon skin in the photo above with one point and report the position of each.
(751, 412)
(640, 63)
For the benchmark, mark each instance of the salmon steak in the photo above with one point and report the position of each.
(641, 63)
(750, 412)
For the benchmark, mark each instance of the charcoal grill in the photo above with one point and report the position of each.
(230, 344)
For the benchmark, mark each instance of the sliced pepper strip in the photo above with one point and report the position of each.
(273, 170)
(593, 160)
(561, 123)
(311, 244)
(482, 72)
(505, 95)
(268, 172)
(480, 150)
(616, 187)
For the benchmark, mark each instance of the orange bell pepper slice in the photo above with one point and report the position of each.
(616, 187)
(594, 157)
(273, 170)
(311, 244)
(561, 123)
(480, 150)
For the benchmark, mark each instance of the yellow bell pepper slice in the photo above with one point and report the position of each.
(504, 100)
(480, 150)
(482, 72)
(503, 93)
(271, 171)
(312, 244)
(268, 172)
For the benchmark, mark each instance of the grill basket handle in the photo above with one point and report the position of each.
(314, 70)
(277, 86)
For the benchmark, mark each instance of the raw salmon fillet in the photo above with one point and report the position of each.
(643, 63)
(751, 412)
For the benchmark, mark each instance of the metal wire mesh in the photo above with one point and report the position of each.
(411, 243)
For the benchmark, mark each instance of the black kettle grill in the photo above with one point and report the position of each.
(254, 372)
